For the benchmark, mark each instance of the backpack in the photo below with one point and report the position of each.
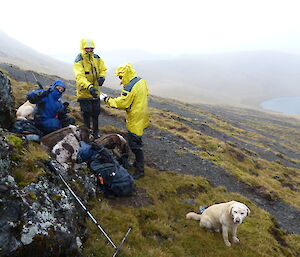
(115, 179)
(25, 127)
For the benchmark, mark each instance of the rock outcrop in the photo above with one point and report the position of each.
(7, 111)
(41, 219)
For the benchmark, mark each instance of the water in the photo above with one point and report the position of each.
(287, 105)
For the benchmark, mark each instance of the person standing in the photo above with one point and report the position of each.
(50, 113)
(133, 99)
(90, 72)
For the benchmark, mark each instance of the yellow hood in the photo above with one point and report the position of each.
(86, 43)
(127, 72)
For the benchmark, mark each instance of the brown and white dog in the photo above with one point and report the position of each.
(25, 111)
(223, 216)
(114, 142)
(63, 144)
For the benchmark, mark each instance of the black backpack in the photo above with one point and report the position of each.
(25, 127)
(116, 179)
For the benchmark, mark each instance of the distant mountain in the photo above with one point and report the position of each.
(246, 78)
(114, 58)
(241, 78)
(14, 52)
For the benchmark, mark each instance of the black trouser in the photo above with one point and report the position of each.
(136, 145)
(90, 109)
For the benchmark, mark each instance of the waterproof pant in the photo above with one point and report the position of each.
(136, 145)
(90, 109)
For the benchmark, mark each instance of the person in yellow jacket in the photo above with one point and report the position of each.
(134, 100)
(90, 72)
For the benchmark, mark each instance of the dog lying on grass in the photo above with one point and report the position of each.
(222, 217)
(25, 111)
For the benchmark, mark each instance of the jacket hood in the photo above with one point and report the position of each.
(86, 43)
(58, 83)
(127, 72)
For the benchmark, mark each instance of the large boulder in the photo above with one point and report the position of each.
(41, 219)
(7, 111)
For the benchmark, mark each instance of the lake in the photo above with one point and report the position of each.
(287, 105)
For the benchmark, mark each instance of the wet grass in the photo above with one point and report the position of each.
(160, 229)
(243, 163)
(27, 160)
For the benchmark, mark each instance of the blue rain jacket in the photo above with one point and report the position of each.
(49, 108)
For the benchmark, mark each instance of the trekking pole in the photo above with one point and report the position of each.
(117, 248)
(37, 82)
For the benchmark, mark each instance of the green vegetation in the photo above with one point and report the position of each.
(27, 160)
(275, 178)
(157, 213)
(160, 228)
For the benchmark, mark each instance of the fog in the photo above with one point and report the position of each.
(233, 51)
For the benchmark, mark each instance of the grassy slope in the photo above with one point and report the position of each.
(242, 163)
(160, 229)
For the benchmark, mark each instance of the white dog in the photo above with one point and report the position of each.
(222, 216)
(25, 111)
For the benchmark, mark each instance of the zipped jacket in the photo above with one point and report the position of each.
(133, 99)
(88, 68)
(48, 107)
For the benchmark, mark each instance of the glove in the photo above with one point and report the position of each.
(101, 81)
(93, 91)
(66, 107)
(36, 95)
(103, 97)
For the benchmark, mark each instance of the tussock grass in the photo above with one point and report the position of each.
(28, 159)
(244, 164)
(160, 229)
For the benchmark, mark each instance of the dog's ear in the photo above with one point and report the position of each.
(230, 209)
(248, 211)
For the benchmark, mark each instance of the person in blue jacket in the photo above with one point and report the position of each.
(50, 113)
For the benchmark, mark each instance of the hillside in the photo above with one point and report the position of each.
(14, 52)
(195, 155)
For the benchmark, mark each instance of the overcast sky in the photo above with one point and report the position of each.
(158, 26)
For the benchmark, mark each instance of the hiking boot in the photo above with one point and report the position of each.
(138, 175)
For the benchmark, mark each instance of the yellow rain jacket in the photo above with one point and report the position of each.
(88, 67)
(133, 99)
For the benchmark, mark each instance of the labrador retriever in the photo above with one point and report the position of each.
(25, 111)
(223, 216)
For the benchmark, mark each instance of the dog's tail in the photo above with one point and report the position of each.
(193, 216)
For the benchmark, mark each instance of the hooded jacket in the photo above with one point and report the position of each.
(48, 107)
(88, 68)
(133, 99)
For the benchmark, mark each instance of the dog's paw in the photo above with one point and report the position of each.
(227, 243)
(235, 240)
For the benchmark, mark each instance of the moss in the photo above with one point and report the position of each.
(28, 163)
(15, 141)
(56, 197)
(33, 196)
